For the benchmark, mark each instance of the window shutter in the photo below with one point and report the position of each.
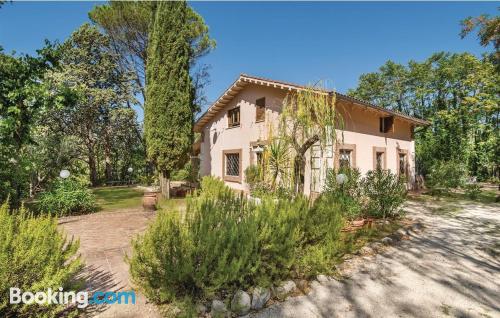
(260, 109)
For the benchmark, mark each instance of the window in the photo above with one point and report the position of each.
(232, 165)
(260, 159)
(315, 168)
(386, 124)
(402, 163)
(233, 117)
(346, 156)
(379, 158)
(260, 109)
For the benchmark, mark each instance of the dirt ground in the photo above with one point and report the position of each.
(451, 269)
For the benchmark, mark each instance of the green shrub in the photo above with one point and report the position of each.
(211, 187)
(446, 175)
(385, 193)
(348, 194)
(34, 256)
(472, 190)
(67, 197)
(321, 230)
(226, 243)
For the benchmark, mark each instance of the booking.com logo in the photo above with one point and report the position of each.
(80, 299)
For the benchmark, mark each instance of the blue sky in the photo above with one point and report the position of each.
(299, 42)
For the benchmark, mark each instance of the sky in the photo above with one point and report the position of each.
(299, 42)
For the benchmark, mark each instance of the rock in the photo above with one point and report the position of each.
(201, 309)
(240, 304)
(402, 232)
(366, 250)
(284, 289)
(260, 296)
(387, 241)
(219, 309)
(322, 279)
(377, 246)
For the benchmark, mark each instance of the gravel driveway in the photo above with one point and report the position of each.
(451, 269)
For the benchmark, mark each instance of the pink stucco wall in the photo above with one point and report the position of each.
(361, 127)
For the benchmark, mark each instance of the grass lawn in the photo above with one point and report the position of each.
(118, 198)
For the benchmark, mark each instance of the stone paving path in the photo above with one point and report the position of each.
(104, 240)
(451, 269)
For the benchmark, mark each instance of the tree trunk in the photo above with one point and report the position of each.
(107, 163)
(165, 184)
(92, 168)
(299, 164)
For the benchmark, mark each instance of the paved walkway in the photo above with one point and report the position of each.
(452, 269)
(104, 240)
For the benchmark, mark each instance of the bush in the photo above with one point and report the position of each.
(472, 190)
(446, 175)
(227, 243)
(385, 191)
(34, 256)
(348, 194)
(320, 241)
(68, 197)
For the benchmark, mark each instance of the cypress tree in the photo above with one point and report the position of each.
(168, 117)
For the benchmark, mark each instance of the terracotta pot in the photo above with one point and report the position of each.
(149, 201)
(358, 223)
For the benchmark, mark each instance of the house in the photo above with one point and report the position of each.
(236, 127)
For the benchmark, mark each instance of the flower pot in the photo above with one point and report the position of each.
(149, 201)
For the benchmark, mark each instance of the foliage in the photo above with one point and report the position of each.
(99, 115)
(24, 98)
(348, 194)
(320, 242)
(34, 256)
(168, 116)
(385, 191)
(128, 26)
(488, 32)
(67, 197)
(458, 94)
(446, 175)
(308, 117)
(226, 242)
(472, 190)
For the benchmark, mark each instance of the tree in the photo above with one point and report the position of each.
(308, 117)
(90, 70)
(488, 33)
(168, 116)
(127, 24)
(24, 97)
(458, 93)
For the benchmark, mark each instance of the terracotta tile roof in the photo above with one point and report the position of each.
(245, 79)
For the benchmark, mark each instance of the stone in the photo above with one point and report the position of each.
(241, 303)
(402, 232)
(387, 241)
(366, 250)
(219, 309)
(284, 289)
(260, 296)
(322, 279)
(376, 246)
